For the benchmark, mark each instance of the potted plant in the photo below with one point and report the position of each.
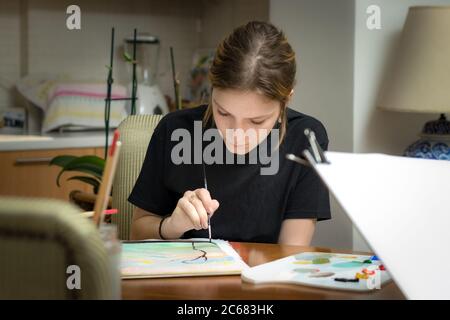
(90, 169)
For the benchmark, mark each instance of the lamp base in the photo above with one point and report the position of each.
(434, 141)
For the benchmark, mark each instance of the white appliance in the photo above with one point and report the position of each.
(150, 98)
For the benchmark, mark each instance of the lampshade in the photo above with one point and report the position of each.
(419, 78)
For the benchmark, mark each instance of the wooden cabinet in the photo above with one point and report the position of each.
(27, 173)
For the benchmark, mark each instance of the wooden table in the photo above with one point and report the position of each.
(231, 287)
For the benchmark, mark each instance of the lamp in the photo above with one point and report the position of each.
(419, 80)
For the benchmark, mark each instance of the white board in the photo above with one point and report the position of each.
(401, 206)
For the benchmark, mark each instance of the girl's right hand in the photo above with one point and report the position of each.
(192, 211)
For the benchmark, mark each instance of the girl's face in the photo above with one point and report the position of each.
(244, 118)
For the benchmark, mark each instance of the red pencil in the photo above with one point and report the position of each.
(101, 202)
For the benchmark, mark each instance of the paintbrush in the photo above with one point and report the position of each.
(206, 187)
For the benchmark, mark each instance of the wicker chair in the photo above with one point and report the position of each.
(39, 240)
(135, 134)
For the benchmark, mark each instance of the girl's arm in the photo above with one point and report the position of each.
(297, 232)
(190, 213)
(145, 225)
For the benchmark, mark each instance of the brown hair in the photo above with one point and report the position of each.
(255, 56)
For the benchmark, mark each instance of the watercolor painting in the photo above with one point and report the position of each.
(154, 259)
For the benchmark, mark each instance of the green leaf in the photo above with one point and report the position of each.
(202, 61)
(61, 161)
(91, 165)
(78, 169)
(87, 160)
(89, 180)
(127, 57)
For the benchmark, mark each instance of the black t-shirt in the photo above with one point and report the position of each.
(252, 206)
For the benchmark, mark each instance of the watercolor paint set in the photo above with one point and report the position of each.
(321, 269)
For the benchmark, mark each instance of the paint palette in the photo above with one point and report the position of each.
(325, 270)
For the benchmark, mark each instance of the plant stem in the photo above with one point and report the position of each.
(108, 94)
(134, 84)
(176, 84)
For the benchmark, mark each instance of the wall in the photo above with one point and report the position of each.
(52, 48)
(220, 18)
(10, 54)
(34, 38)
(321, 33)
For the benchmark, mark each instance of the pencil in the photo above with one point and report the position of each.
(107, 178)
(90, 214)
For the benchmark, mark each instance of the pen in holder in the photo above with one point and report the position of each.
(312, 155)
